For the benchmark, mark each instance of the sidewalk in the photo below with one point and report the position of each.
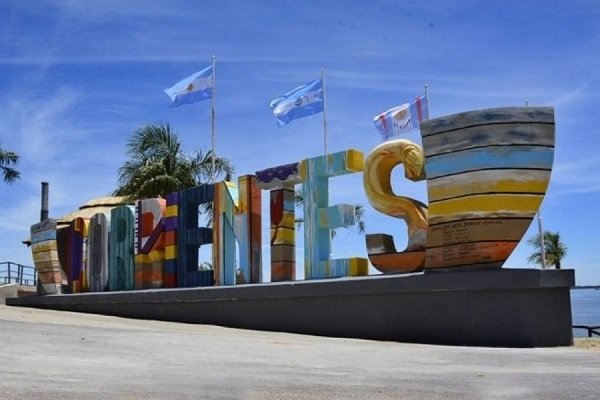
(62, 355)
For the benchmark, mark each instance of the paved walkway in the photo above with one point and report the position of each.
(62, 355)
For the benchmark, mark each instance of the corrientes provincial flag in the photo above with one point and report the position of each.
(194, 88)
(301, 102)
(402, 119)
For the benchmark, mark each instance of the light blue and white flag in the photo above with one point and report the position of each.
(301, 102)
(194, 88)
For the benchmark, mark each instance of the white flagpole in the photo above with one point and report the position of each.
(213, 117)
(427, 98)
(324, 111)
(542, 241)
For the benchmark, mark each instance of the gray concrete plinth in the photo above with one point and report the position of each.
(508, 308)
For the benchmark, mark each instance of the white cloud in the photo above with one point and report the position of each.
(567, 98)
(576, 176)
(39, 123)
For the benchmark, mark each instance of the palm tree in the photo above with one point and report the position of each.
(8, 159)
(158, 166)
(555, 249)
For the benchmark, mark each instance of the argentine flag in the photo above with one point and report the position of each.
(301, 102)
(194, 88)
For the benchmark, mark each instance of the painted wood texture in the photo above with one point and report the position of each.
(44, 250)
(97, 251)
(171, 223)
(487, 174)
(385, 258)
(78, 254)
(150, 248)
(487, 182)
(122, 264)
(489, 157)
(247, 227)
(237, 216)
(319, 216)
(278, 177)
(283, 235)
(224, 249)
(71, 253)
(191, 236)
(280, 181)
(354, 266)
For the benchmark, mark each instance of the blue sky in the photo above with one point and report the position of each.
(78, 77)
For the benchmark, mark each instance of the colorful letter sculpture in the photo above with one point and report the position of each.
(150, 248)
(487, 174)
(237, 216)
(97, 253)
(71, 244)
(45, 257)
(122, 263)
(280, 182)
(191, 236)
(170, 223)
(320, 218)
(378, 187)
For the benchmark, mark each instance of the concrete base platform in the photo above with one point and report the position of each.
(15, 290)
(506, 308)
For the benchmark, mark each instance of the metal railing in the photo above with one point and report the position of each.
(591, 330)
(11, 272)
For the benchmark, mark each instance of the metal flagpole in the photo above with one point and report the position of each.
(542, 243)
(427, 98)
(324, 111)
(213, 116)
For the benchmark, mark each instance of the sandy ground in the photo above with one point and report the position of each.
(588, 343)
(62, 355)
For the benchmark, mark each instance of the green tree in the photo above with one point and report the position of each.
(8, 160)
(158, 166)
(554, 248)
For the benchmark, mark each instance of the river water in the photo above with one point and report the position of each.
(585, 306)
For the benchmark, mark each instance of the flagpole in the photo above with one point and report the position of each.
(541, 240)
(324, 111)
(213, 116)
(427, 98)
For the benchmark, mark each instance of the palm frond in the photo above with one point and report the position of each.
(10, 174)
(554, 249)
(8, 160)
(157, 165)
